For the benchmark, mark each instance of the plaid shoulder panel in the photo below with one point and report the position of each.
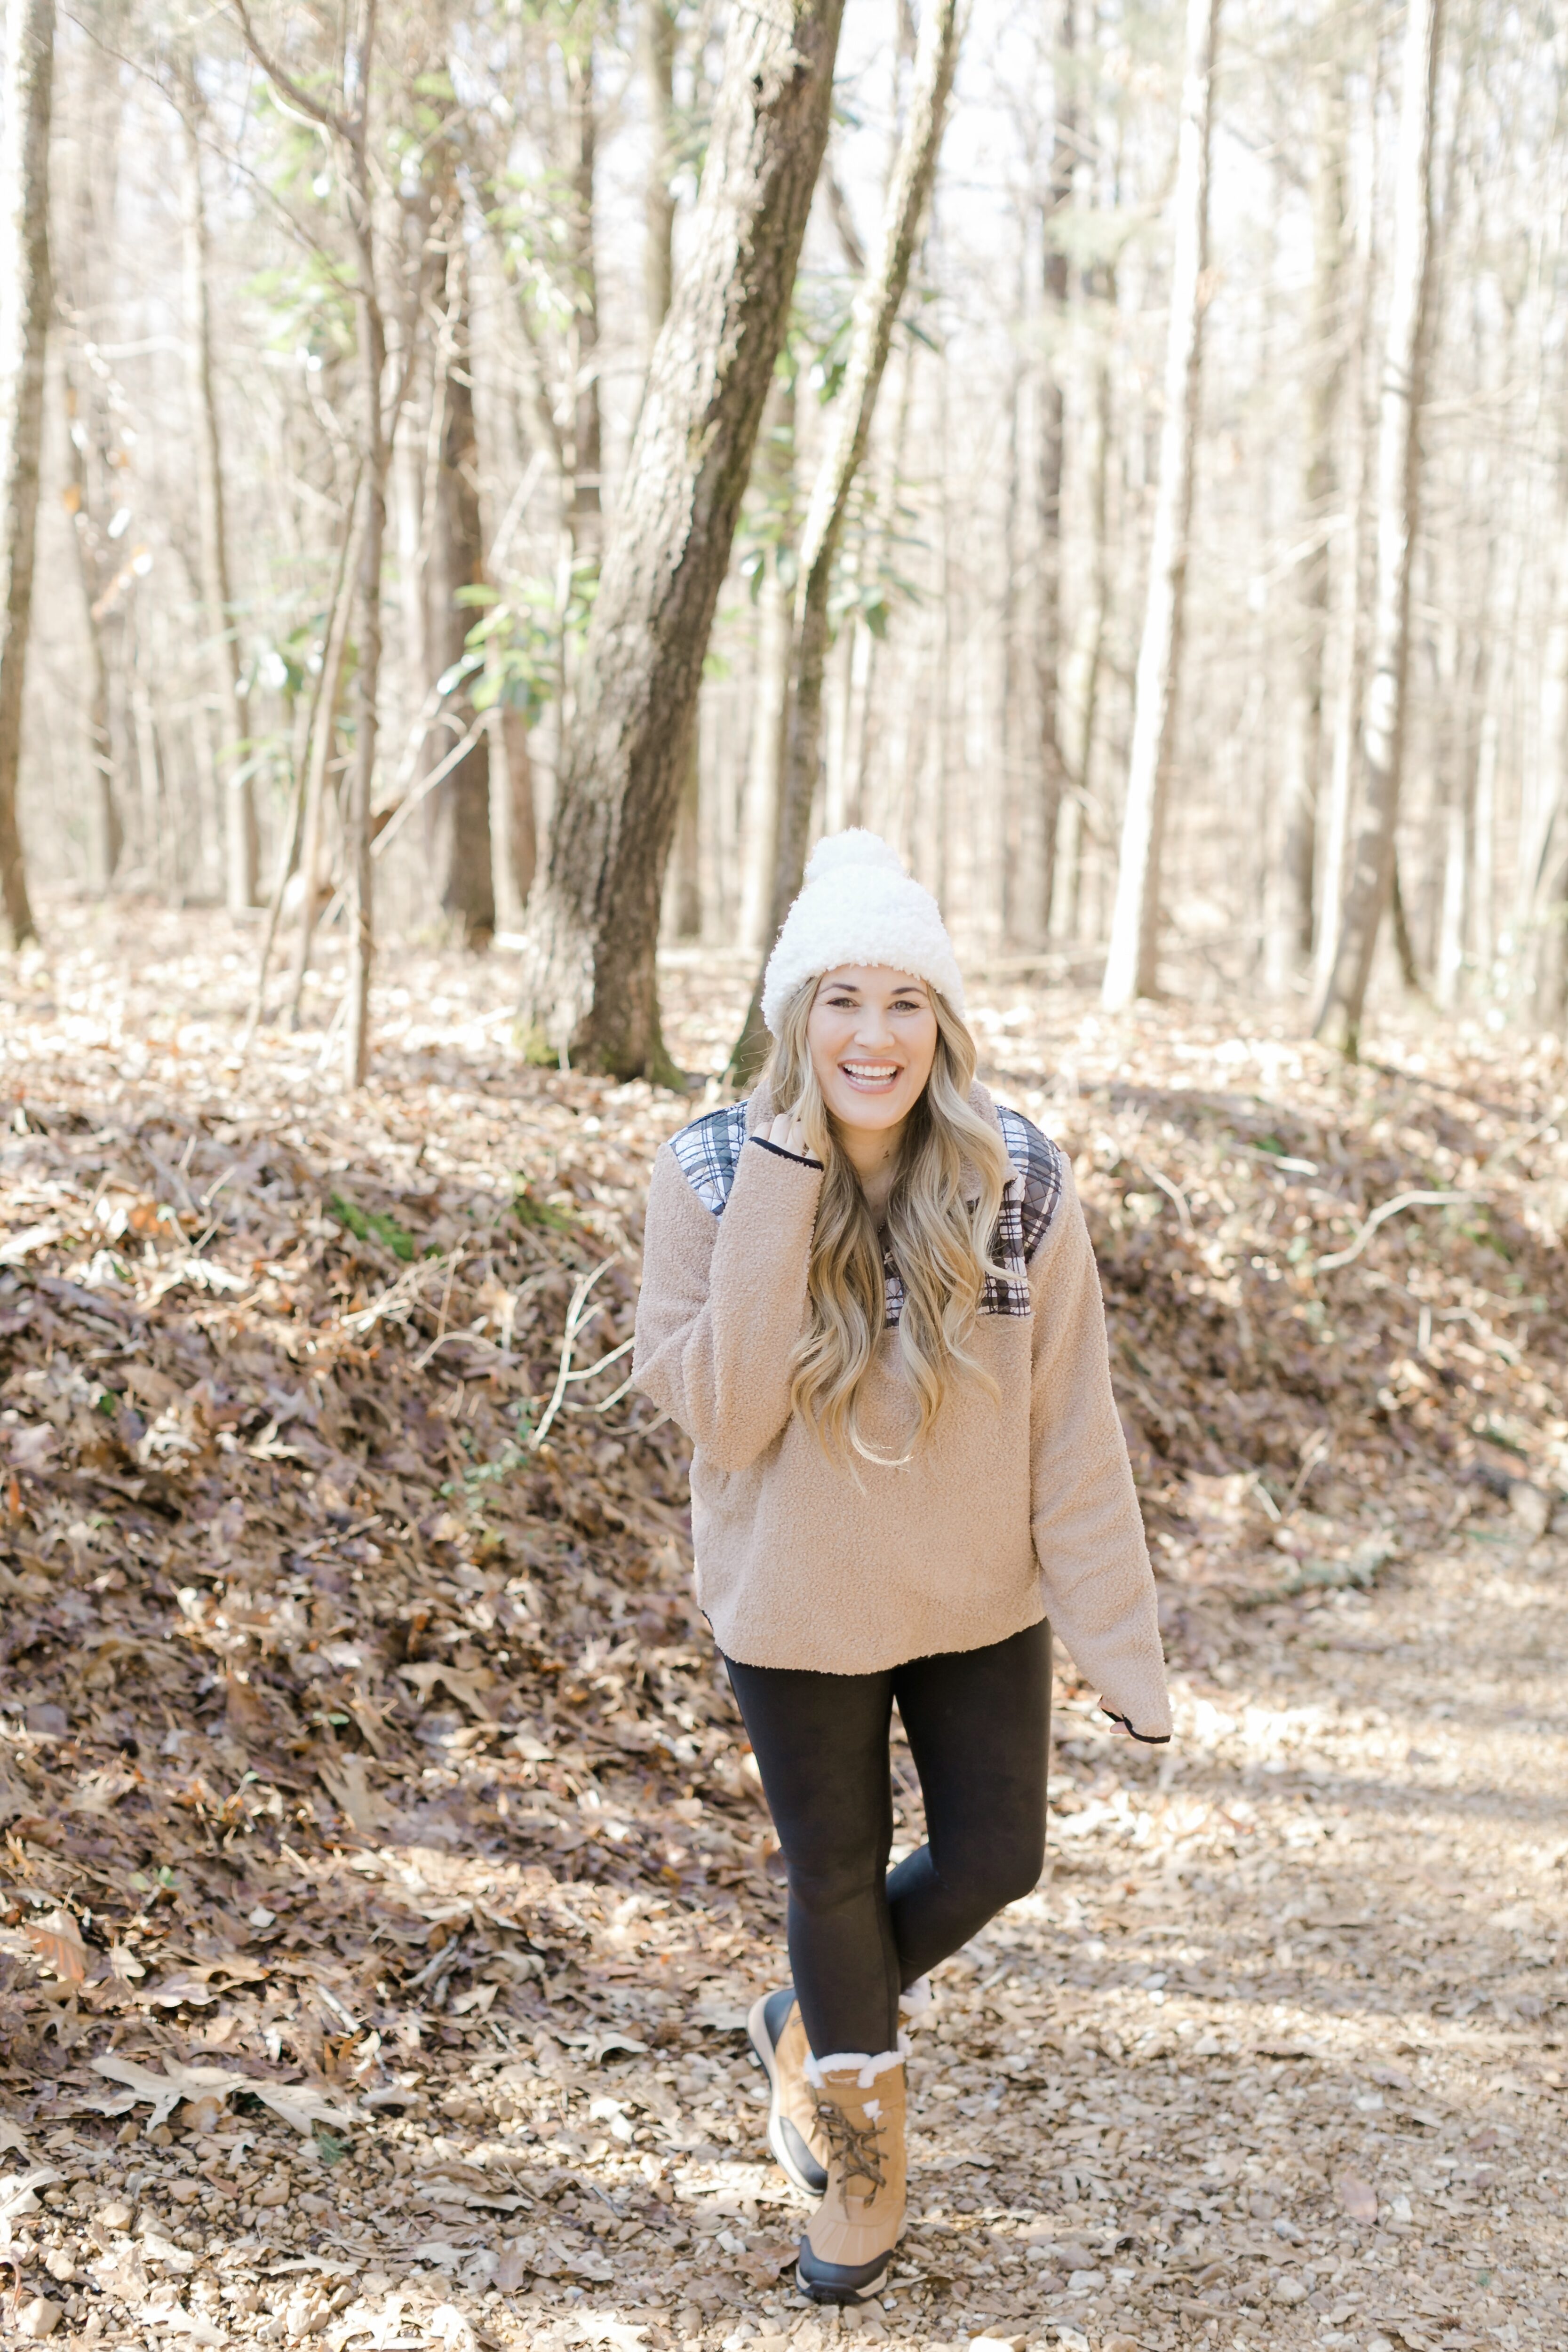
(709, 1152)
(1028, 1208)
(1040, 1167)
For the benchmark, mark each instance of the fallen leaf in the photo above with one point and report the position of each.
(297, 2103)
(58, 1942)
(20, 2191)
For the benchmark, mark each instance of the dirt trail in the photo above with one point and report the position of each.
(365, 1777)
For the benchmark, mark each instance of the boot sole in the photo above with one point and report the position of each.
(838, 2284)
(782, 2154)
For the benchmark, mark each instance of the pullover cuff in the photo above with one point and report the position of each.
(799, 1159)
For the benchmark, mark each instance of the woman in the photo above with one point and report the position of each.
(869, 1296)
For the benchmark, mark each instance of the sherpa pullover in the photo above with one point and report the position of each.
(1011, 1510)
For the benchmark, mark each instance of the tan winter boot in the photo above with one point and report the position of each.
(850, 2238)
(778, 2037)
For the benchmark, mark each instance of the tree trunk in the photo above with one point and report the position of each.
(514, 836)
(876, 307)
(658, 36)
(105, 827)
(1075, 826)
(1039, 835)
(458, 810)
(1398, 515)
(1131, 959)
(683, 886)
(772, 479)
(241, 839)
(1290, 932)
(589, 981)
(25, 298)
(319, 750)
(585, 456)
(367, 678)
(1403, 945)
(1344, 663)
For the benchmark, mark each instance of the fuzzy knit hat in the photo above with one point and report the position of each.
(858, 905)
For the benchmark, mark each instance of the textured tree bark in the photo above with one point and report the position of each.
(1339, 1015)
(589, 987)
(458, 810)
(875, 313)
(241, 839)
(24, 299)
(1132, 960)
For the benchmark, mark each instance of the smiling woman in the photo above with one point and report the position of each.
(869, 1296)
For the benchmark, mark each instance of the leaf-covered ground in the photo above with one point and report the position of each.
(384, 1878)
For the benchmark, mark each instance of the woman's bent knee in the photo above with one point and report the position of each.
(986, 1882)
(821, 1887)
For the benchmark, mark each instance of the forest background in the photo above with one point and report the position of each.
(1144, 501)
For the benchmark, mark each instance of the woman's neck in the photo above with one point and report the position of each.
(873, 1153)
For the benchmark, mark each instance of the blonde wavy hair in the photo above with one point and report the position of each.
(938, 1232)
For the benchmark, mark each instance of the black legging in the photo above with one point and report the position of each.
(978, 1724)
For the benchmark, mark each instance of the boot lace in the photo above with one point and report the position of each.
(856, 2147)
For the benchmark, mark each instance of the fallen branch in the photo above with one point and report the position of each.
(576, 1324)
(1380, 1216)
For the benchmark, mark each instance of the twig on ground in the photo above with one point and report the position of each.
(1380, 1216)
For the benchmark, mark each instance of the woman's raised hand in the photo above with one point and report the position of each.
(787, 1132)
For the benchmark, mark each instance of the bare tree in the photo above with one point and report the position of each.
(589, 985)
(657, 35)
(350, 130)
(772, 486)
(1042, 802)
(1130, 964)
(24, 302)
(461, 867)
(1290, 943)
(241, 839)
(1339, 1014)
(876, 307)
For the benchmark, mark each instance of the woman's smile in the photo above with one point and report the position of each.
(873, 1039)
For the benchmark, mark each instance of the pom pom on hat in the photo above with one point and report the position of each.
(855, 847)
(859, 906)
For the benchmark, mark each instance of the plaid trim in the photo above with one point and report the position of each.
(1028, 1206)
(710, 1150)
(1040, 1167)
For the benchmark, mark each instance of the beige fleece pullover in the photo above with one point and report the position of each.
(1014, 1508)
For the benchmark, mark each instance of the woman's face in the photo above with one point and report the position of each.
(871, 1034)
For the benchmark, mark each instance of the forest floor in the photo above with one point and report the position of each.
(382, 1880)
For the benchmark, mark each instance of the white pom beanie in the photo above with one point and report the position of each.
(858, 905)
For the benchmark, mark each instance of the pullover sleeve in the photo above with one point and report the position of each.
(1089, 1532)
(723, 1298)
